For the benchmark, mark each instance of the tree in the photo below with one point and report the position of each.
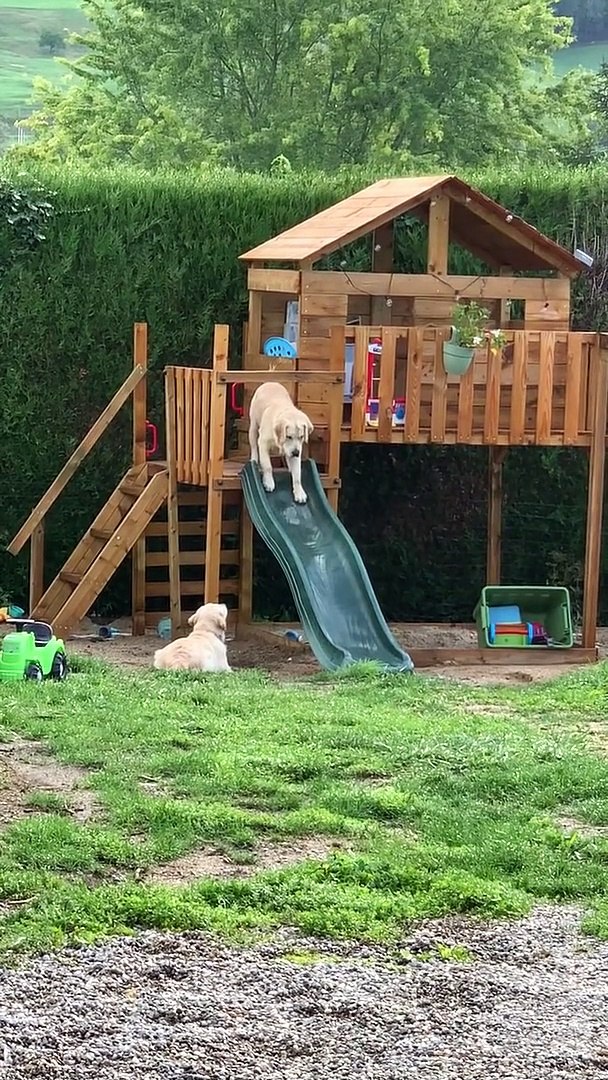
(327, 83)
(52, 40)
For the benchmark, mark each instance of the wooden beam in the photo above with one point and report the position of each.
(256, 378)
(595, 499)
(85, 446)
(254, 321)
(335, 396)
(508, 227)
(279, 281)
(445, 286)
(496, 456)
(519, 658)
(217, 438)
(36, 567)
(382, 263)
(439, 235)
(504, 316)
(246, 568)
(140, 414)
(172, 504)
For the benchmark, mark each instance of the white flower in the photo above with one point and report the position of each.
(477, 340)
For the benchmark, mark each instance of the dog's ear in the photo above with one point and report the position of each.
(192, 621)
(310, 427)
(279, 433)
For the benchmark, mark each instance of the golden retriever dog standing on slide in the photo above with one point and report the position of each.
(276, 426)
(203, 649)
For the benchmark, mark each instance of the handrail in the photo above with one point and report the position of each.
(82, 450)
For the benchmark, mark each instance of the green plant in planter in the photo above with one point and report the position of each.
(468, 332)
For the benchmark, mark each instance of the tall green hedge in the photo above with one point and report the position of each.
(127, 246)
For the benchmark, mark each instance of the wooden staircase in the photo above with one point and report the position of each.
(113, 534)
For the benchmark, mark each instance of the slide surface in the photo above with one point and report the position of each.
(330, 585)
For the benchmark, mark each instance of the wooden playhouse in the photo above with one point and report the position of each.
(364, 341)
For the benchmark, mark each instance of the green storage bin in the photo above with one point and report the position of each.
(546, 604)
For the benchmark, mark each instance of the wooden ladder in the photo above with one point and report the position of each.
(115, 531)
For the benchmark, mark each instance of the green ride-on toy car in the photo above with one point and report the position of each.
(31, 651)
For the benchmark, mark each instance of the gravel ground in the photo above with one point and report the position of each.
(532, 1005)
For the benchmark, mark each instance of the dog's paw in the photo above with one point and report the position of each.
(268, 482)
(300, 495)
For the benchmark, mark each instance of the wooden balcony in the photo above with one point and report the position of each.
(539, 389)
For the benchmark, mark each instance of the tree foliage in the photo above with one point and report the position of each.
(326, 83)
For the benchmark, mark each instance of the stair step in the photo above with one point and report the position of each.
(101, 534)
(69, 578)
(133, 490)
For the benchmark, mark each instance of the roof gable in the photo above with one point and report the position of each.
(477, 223)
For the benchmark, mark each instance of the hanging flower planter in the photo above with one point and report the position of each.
(467, 335)
(457, 359)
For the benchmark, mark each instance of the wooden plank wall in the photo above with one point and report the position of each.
(318, 314)
(192, 510)
(189, 389)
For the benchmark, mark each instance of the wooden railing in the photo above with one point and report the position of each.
(33, 528)
(187, 398)
(539, 389)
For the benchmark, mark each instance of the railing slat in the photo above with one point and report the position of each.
(415, 346)
(179, 426)
(439, 399)
(491, 418)
(359, 381)
(206, 412)
(518, 394)
(573, 389)
(544, 408)
(465, 405)
(386, 390)
(188, 424)
(198, 421)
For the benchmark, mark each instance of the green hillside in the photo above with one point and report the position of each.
(22, 58)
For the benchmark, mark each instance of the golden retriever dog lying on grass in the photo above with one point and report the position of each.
(203, 649)
(276, 426)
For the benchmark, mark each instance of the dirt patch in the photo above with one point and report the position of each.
(571, 825)
(268, 855)
(288, 660)
(31, 782)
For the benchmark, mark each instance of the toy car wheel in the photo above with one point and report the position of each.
(59, 669)
(34, 673)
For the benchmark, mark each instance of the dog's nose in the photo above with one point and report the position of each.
(295, 453)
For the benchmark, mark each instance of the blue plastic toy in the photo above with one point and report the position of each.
(279, 347)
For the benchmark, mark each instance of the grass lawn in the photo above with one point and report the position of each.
(449, 797)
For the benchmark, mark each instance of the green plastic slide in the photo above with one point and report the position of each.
(330, 585)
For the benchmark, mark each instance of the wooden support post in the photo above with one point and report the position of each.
(494, 546)
(504, 316)
(36, 567)
(439, 235)
(382, 263)
(335, 399)
(595, 499)
(140, 409)
(246, 568)
(172, 505)
(217, 438)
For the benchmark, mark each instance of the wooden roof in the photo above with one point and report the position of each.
(477, 223)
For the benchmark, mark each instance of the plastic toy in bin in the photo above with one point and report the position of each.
(503, 612)
(510, 635)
